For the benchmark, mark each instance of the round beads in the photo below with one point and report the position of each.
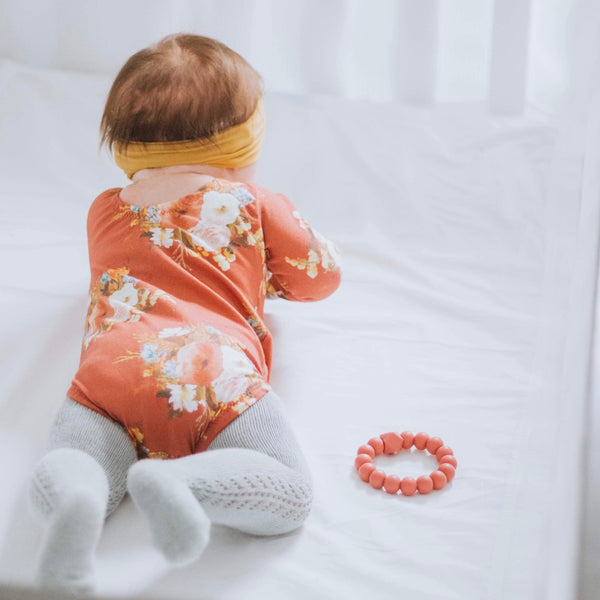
(408, 486)
(392, 443)
(366, 449)
(365, 471)
(421, 440)
(424, 484)
(377, 445)
(391, 484)
(433, 444)
(439, 480)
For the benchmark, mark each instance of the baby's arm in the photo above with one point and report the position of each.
(303, 265)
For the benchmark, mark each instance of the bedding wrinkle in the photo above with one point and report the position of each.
(357, 160)
(461, 314)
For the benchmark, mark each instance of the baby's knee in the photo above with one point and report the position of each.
(62, 473)
(290, 511)
(302, 508)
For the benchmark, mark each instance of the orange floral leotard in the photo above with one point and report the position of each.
(175, 346)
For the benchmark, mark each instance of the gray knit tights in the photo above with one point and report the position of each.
(253, 477)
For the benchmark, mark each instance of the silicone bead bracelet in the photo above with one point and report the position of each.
(392, 443)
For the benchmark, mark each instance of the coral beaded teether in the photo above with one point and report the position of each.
(392, 443)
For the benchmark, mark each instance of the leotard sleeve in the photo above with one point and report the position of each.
(302, 264)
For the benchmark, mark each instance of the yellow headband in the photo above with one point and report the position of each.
(233, 148)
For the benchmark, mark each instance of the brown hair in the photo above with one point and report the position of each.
(182, 88)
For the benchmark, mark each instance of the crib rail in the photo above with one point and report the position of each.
(510, 55)
(417, 51)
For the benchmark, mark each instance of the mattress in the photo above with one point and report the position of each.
(463, 312)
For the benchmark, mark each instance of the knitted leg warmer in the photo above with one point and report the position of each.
(78, 482)
(253, 477)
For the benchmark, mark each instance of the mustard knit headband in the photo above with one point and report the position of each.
(233, 148)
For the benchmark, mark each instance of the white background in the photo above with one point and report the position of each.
(355, 51)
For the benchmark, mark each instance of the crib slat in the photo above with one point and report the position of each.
(416, 51)
(323, 28)
(510, 56)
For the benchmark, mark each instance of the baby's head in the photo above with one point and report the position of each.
(185, 87)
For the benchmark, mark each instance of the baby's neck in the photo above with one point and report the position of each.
(150, 187)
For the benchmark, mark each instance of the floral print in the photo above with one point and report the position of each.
(271, 291)
(254, 320)
(197, 369)
(142, 451)
(162, 237)
(175, 345)
(116, 297)
(320, 251)
(212, 226)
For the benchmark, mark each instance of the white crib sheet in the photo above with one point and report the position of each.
(454, 316)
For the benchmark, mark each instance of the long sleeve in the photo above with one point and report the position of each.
(302, 265)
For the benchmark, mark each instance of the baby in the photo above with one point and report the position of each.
(176, 359)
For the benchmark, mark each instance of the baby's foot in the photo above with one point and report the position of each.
(67, 556)
(180, 528)
(68, 494)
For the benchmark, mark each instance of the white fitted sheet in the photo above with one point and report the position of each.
(459, 303)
